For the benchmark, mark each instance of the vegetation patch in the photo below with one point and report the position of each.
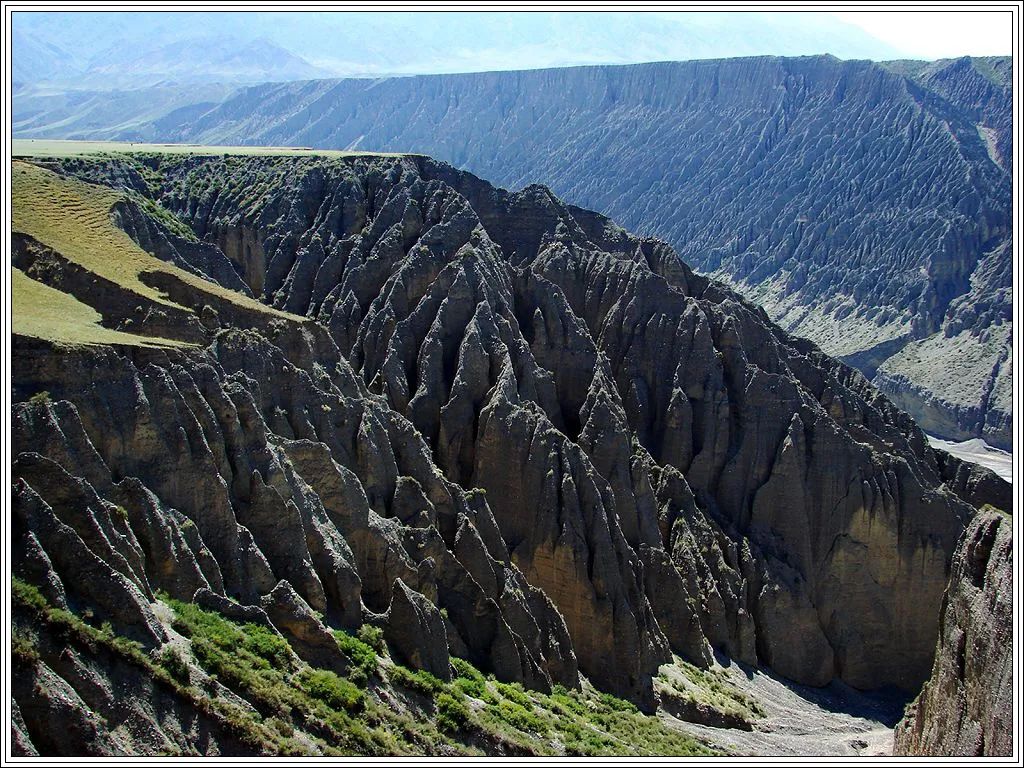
(362, 655)
(470, 682)
(373, 637)
(27, 599)
(176, 666)
(39, 398)
(452, 712)
(298, 709)
(171, 222)
(708, 689)
(334, 691)
(991, 508)
(73, 218)
(418, 680)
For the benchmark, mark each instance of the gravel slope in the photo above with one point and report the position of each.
(832, 721)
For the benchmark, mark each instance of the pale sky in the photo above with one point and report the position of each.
(939, 34)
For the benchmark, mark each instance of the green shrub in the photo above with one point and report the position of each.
(419, 680)
(28, 595)
(589, 743)
(23, 649)
(373, 637)
(270, 649)
(267, 645)
(616, 704)
(514, 692)
(281, 726)
(40, 398)
(566, 702)
(475, 688)
(452, 713)
(247, 674)
(469, 680)
(171, 660)
(336, 692)
(519, 717)
(465, 670)
(713, 688)
(364, 658)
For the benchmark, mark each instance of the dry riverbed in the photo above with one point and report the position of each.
(979, 452)
(832, 721)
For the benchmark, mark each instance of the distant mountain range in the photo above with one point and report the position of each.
(200, 59)
(865, 206)
(106, 51)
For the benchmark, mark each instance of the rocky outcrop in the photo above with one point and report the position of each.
(75, 699)
(966, 707)
(307, 635)
(497, 425)
(937, 381)
(416, 633)
(866, 206)
(974, 483)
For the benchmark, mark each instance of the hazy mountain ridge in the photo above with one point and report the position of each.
(89, 49)
(43, 68)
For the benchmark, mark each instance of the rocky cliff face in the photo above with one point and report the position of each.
(497, 426)
(966, 707)
(865, 206)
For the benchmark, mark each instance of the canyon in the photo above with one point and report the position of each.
(348, 392)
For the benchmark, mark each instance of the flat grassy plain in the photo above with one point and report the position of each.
(38, 148)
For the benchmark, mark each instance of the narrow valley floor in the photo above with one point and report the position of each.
(832, 721)
(979, 452)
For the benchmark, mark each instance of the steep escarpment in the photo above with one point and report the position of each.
(966, 707)
(495, 426)
(865, 206)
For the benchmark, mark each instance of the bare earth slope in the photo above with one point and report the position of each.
(865, 206)
(496, 426)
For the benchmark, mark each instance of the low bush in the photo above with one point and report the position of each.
(176, 666)
(419, 680)
(336, 692)
(514, 692)
(363, 657)
(452, 713)
(40, 398)
(519, 717)
(469, 680)
(373, 637)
